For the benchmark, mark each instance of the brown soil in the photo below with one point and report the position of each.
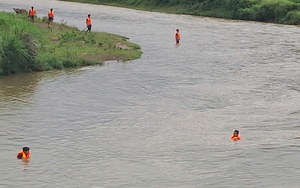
(122, 46)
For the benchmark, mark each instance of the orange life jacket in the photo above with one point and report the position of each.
(89, 21)
(50, 14)
(177, 36)
(24, 156)
(31, 12)
(235, 138)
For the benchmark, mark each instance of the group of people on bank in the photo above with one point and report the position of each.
(88, 21)
(32, 15)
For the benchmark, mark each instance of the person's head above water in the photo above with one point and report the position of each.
(24, 153)
(26, 150)
(236, 132)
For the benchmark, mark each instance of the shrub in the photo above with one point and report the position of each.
(18, 44)
(292, 17)
(274, 11)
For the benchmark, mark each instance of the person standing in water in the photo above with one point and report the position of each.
(24, 154)
(177, 36)
(235, 135)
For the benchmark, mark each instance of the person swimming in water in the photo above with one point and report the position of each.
(235, 135)
(24, 153)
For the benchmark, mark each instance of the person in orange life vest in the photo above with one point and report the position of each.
(235, 135)
(32, 13)
(50, 17)
(89, 23)
(177, 36)
(24, 154)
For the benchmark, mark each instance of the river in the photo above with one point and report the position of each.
(164, 120)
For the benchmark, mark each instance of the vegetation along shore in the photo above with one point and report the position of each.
(275, 11)
(27, 46)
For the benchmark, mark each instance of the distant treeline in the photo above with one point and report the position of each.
(276, 11)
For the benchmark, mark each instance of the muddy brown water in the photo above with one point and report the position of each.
(163, 120)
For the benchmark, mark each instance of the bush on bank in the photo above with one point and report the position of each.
(277, 11)
(27, 47)
(18, 44)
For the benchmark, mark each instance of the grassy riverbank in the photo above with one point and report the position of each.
(27, 47)
(276, 11)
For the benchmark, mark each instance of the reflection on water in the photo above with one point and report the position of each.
(25, 164)
(18, 87)
(21, 87)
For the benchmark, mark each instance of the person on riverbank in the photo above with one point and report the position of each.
(24, 154)
(88, 23)
(32, 14)
(177, 36)
(235, 135)
(50, 18)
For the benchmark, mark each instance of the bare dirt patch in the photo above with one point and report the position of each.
(122, 46)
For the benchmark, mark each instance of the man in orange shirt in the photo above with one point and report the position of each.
(24, 154)
(32, 14)
(177, 36)
(89, 23)
(50, 18)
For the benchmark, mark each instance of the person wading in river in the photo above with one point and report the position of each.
(24, 154)
(88, 22)
(235, 135)
(177, 36)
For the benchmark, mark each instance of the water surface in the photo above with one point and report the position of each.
(164, 120)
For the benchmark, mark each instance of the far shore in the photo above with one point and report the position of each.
(279, 11)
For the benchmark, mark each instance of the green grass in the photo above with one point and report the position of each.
(26, 46)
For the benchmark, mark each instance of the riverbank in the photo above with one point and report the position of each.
(27, 47)
(278, 11)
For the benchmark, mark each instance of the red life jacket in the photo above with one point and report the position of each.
(24, 156)
(50, 14)
(31, 12)
(88, 21)
(235, 138)
(177, 36)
